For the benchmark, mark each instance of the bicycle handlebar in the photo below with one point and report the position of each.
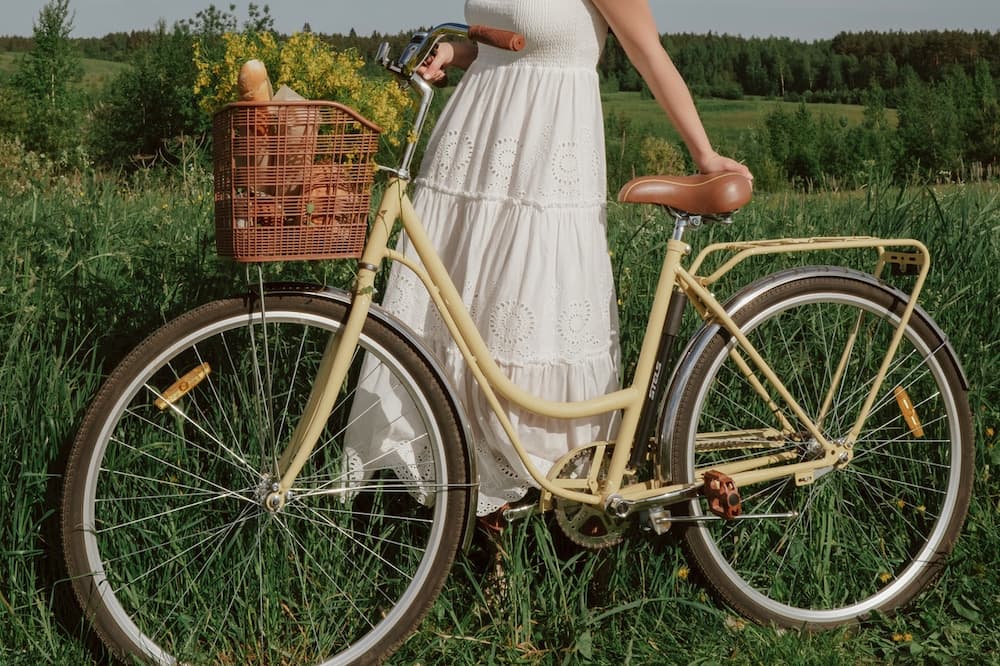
(421, 46)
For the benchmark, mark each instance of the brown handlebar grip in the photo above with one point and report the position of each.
(502, 39)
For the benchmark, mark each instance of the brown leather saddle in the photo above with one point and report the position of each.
(710, 195)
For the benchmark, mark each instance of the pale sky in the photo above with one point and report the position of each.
(799, 19)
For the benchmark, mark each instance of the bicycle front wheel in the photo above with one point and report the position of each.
(175, 552)
(863, 537)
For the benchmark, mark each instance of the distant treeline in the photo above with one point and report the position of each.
(837, 70)
(123, 46)
(728, 66)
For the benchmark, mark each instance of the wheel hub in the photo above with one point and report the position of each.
(269, 496)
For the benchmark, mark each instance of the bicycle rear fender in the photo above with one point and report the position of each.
(739, 300)
(375, 311)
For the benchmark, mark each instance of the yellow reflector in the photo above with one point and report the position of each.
(182, 386)
(909, 411)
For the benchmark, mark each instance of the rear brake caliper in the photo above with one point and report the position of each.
(721, 494)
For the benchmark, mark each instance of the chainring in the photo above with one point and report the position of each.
(587, 525)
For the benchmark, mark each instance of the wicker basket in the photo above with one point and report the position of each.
(292, 180)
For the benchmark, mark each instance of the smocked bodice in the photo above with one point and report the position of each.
(564, 33)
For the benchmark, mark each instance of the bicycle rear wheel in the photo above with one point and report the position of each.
(868, 536)
(173, 554)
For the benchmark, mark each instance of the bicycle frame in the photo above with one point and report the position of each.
(611, 492)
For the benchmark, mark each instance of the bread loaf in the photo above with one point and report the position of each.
(326, 199)
(253, 83)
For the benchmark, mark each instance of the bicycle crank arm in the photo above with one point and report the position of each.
(620, 507)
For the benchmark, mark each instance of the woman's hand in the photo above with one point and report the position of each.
(432, 69)
(715, 162)
(447, 54)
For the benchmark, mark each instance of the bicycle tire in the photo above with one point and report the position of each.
(172, 553)
(869, 536)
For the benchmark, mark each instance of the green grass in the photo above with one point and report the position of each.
(93, 264)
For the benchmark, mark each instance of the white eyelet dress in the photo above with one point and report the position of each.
(512, 193)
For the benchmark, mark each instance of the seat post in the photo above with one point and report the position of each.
(681, 221)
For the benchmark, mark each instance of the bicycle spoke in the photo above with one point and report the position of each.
(857, 525)
(194, 561)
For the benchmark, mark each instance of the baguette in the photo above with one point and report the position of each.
(253, 83)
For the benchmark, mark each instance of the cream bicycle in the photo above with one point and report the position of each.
(813, 440)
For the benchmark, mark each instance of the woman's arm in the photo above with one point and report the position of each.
(633, 24)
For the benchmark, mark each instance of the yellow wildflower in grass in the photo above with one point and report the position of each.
(683, 573)
(885, 576)
(990, 432)
(310, 67)
(735, 623)
(902, 637)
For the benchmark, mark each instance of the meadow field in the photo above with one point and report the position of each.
(725, 120)
(96, 73)
(94, 263)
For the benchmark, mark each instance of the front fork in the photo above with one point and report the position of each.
(338, 356)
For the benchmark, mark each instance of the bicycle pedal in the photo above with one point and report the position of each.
(722, 495)
(518, 512)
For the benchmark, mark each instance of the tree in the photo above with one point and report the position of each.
(150, 103)
(875, 138)
(44, 83)
(793, 144)
(929, 135)
(984, 128)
